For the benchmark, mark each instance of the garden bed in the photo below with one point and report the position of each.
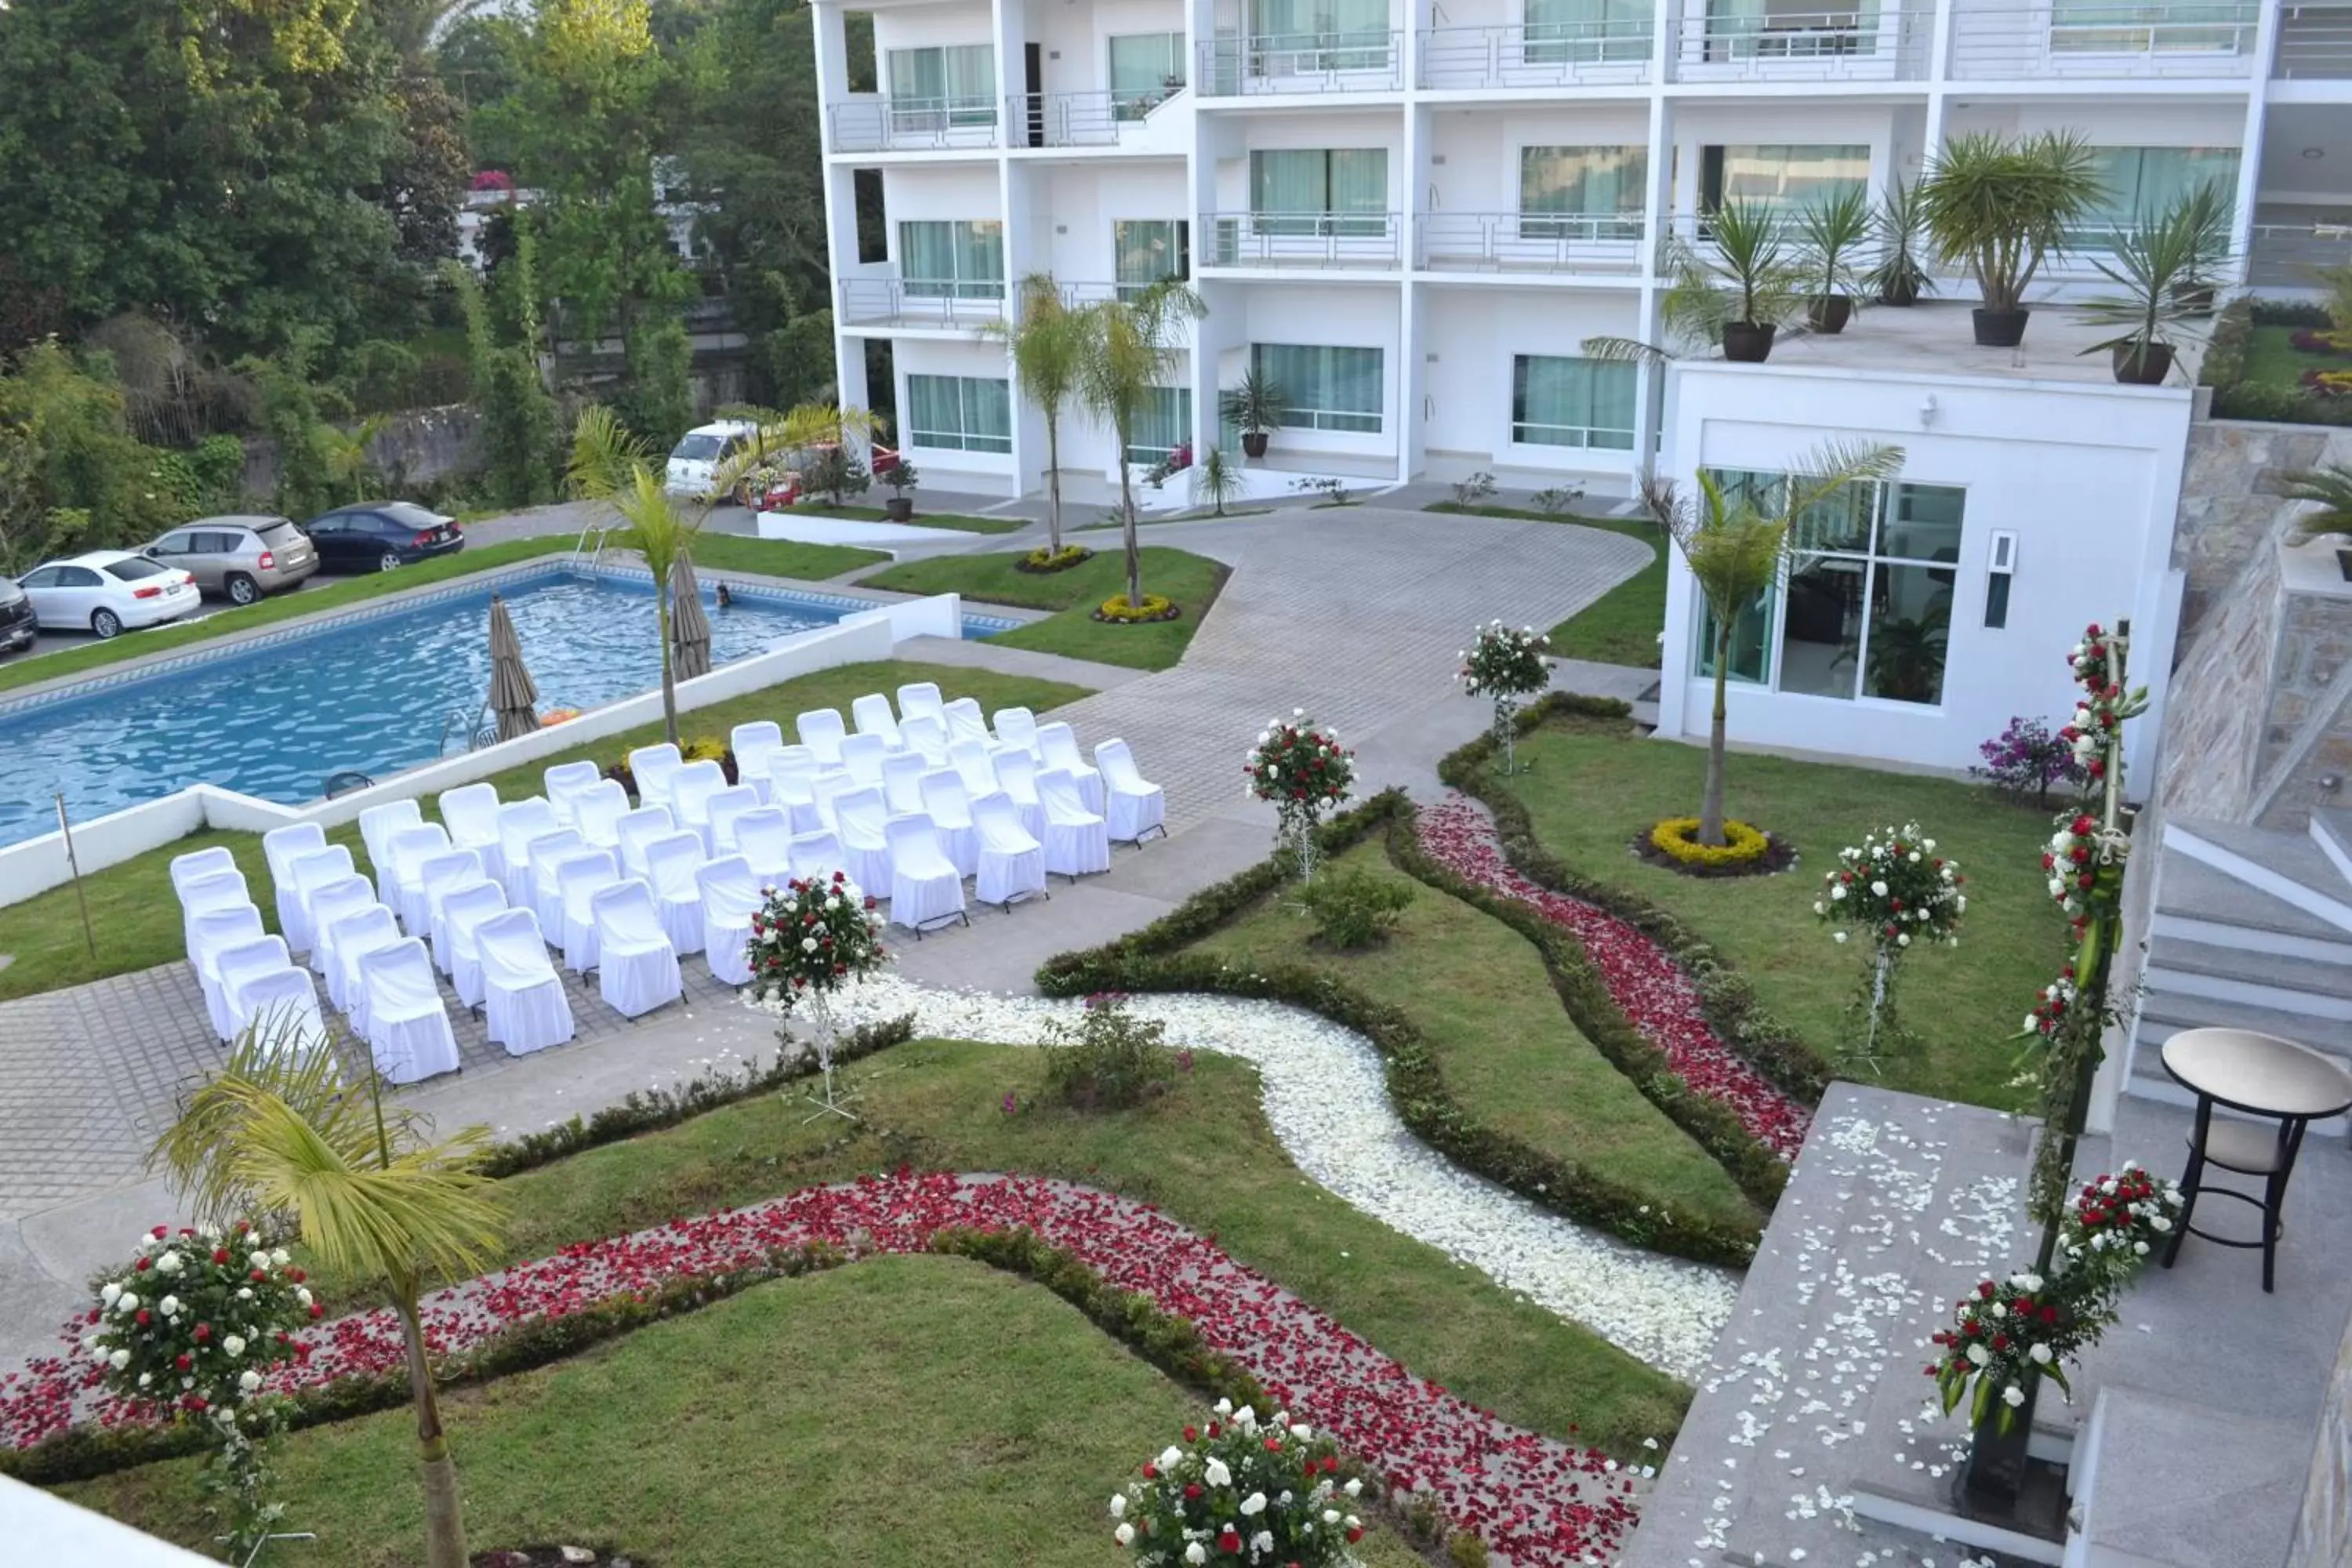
(1191, 581)
(2256, 370)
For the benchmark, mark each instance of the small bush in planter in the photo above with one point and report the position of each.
(1355, 909)
(1999, 205)
(1110, 1059)
(2153, 261)
(1899, 228)
(901, 478)
(1254, 408)
(1833, 229)
(836, 473)
(1474, 490)
(1739, 297)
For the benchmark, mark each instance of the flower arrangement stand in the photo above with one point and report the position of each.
(831, 1103)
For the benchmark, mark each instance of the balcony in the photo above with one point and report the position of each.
(1308, 241)
(2314, 44)
(1529, 242)
(935, 305)
(2160, 39)
(871, 124)
(2286, 255)
(1080, 119)
(1238, 66)
(1564, 54)
(1891, 43)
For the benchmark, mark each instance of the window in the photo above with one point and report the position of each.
(1146, 250)
(1314, 191)
(1571, 403)
(1287, 37)
(1164, 424)
(1596, 191)
(2141, 181)
(173, 544)
(1783, 176)
(936, 87)
(1999, 571)
(2103, 26)
(952, 260)
(131, 568)
(1145, 68)
(42, 578)
(959, 412)
(1323, 388)
(1587, 32)
(77, 577)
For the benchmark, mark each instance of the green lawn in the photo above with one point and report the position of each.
(1593, 785)
(1477, 992)
(900, 1413)
(138, 920)
(964, 523)
(1192, 581)
(2272, 358)
(1621, 627)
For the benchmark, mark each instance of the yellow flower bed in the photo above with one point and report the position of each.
(1677, 837)
(1044, 559)
(1155, 607)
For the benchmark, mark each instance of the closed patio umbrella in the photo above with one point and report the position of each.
(689, 628)
(514, 696)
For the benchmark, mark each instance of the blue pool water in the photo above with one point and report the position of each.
(275, 722)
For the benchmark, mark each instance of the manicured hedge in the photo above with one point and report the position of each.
(2224, 368)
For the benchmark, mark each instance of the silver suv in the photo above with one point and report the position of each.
(239, 558)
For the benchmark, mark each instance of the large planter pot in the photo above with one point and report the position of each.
(1902, 296)
(1998, 329)
(1994, 1472)
(1829, 313)
(2147, 368)
(1254, 443)
(898, 509)
(1747, 342)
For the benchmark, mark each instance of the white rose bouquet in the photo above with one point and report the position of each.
(1239, 1490)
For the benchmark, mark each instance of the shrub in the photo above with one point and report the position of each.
(1474, 490)
(1044, 560)
(1155, 607)
(1559, 498)
(1110, 1059)
(1242, 1489)
(1676, 838)
(834, 472)
(1356, 909)
(2025, 759)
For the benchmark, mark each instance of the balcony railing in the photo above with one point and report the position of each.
(863, 125)
(1078, 119)
(1303, 239)
(1529, 242)
(2286, 255)
(1551, 54)
(2315, 43)
(1235, 66)
(967, 305)
(2158, 39)
(1888, 44)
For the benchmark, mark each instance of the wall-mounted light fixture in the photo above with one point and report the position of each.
(1928, 412)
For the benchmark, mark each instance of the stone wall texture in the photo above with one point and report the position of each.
(2323, 1531)
(2230, 504)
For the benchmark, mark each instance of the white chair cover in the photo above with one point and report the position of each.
(727, 808)
(753, 745)
(597, 810)
(791, 773)
(763, 838)
(195, 863)
(220, 891)
(637, 968)
(410, 849)
(1018, 727)
(817, 856)
(831, 786)
(581, 878)
(972, 764)
(670, 866)
(212, 932)
(921, 698)
(871, 714)
(1133, 807)
(690, 793)
(340, 946)
(1011, 861)
(860, 821)
(966, 722)
(547, 851)
(1059, 745)
(281, 1008)
(862, 756)
(1075, 840)
(820, 732)
(927, 737)
(470, 813)
(377, 825)
(245, 963)
(639, 829)
(949, 809)
(279, 845)
(731, 897)
(465, 908)
(305, 873)
(408, 1031)
(519, 822)
(524, 1008)
(331, 902)
(902, 782)
(441, 873)
(1016, 773)
(925, 889)
(564, 783)
(654, 767)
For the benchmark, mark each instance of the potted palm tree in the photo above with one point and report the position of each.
(1899, 229)
(1834, 230)
(901, 478)
(2208, 209)
(1254, 408)
(2148, 262)
(1741, 296)
(2001, 206)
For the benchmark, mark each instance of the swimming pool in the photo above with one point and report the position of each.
(370, 693)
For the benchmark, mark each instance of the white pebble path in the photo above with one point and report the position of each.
(1326, 1100)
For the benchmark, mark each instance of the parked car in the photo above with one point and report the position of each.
(18, 624)
(107, 592)
(381, 536)
(701, 452)
(240, 558)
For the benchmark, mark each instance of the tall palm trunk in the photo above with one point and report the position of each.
(669, 684)
(1710, 810)
(1126, 525)
(445, 1522)
(1054, 484)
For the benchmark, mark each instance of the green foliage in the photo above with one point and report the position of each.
(796, 360)
(836, 473)
(290, 421)
(1999, 205)
(71, 474)
(1110, 1059)
(660, 400)
(379, 376)
(517, 428)
(1352, 908)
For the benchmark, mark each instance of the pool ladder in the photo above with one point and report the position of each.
(581, 554)
(477, 728)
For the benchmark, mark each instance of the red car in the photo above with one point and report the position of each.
(779, 488)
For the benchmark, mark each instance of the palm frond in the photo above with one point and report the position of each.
(1624, 350)
(2331, 487)
(604, 455)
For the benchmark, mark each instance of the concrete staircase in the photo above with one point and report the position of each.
(2252, 929)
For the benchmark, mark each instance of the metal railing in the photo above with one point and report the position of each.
(1078, 119)
(2153, 38)
(920, 302)
(1530, 242)
(1235, 65)
(2286, 255)
(876, 124)
(1303, 239)
(1891, 43)
(2315, 43)
(1555, 54)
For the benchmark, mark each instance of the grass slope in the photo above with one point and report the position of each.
(1593, 786)
(1192, 581)
(1621, 625)
(138, 919)
(2272, 358)
(962, 523)
(900, 1413)
(1478, 992)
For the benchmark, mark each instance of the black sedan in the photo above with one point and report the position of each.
(17, 626)
(381, 536)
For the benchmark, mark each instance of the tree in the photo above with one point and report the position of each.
(277, 1132)
(1734, 540)
(609, 464)
(1131, 351)
(659, 402)
(1049, 343)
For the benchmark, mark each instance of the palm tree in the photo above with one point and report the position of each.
(2331, 487)
(276, 1133)
(804, 426)
(608, 463)
(1048, 344)
(1130, 352)
(345, 452)
(1733, 544)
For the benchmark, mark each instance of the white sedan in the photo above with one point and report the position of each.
(107, 592)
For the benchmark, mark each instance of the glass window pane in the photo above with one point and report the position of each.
(1601, 181)
(1587, 32)
(1144, 251)
(1324, 388)
(1164, 424)
(988, 414)
(1821, 629)
(1781, 175)
(1749, 660)
(1144, 68)
(1923, 523)
(1567, 402)
(1910, 614)
(1839, 522)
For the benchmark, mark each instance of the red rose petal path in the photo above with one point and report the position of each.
(1642, 979)
(1530, 1498)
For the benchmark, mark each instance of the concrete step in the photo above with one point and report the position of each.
(2284, 982)
(2164, 1483)
(2287, 867)
(2206, 904)
(2331, 829)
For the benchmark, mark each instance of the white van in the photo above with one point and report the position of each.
(702, 451)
